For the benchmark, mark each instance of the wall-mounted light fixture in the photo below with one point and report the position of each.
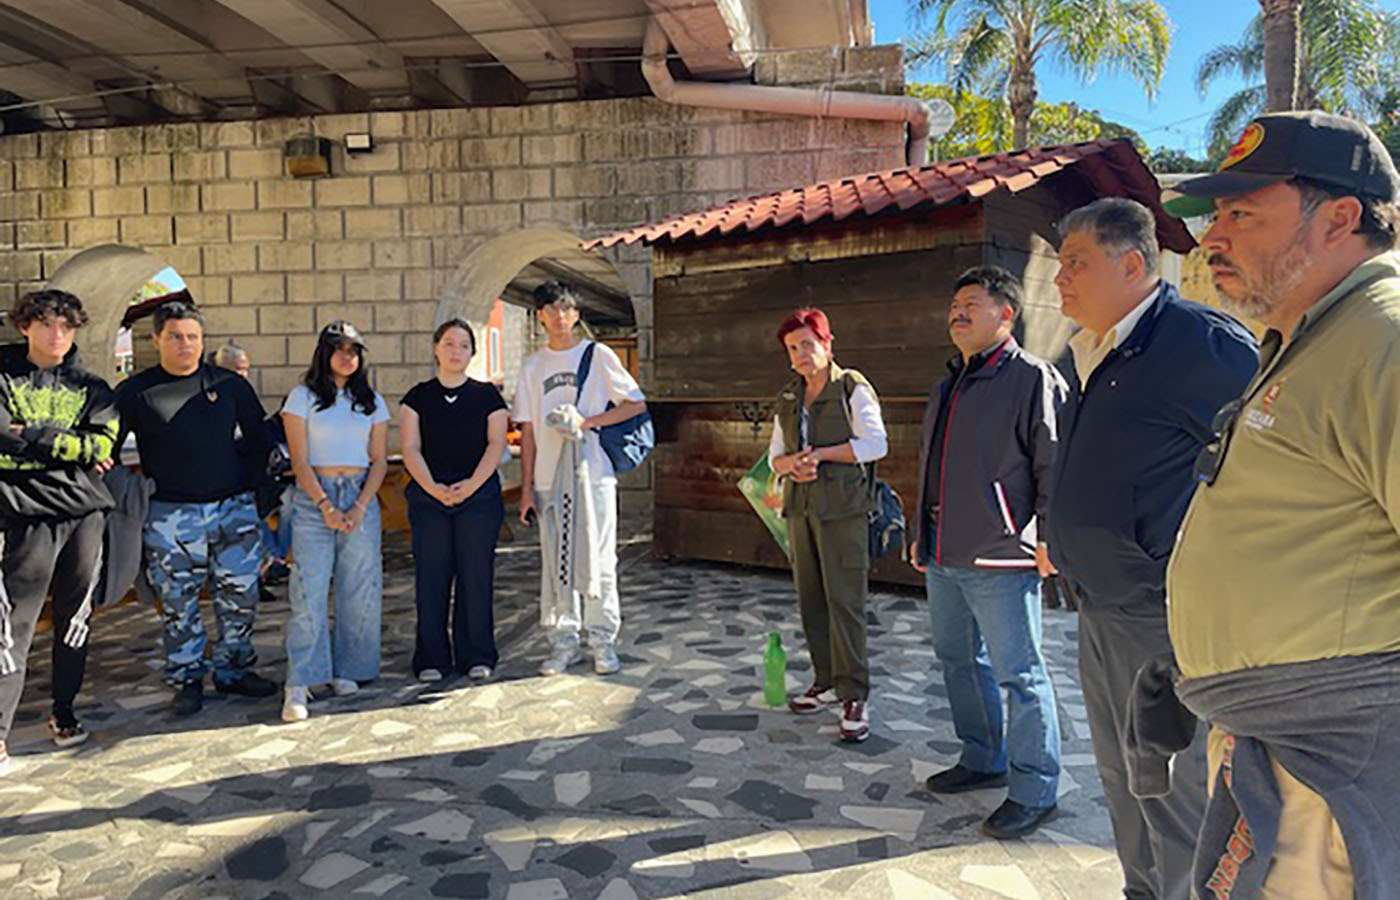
(360, 142)
(307, 156)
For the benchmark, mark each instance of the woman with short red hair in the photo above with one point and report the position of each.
(827, 426)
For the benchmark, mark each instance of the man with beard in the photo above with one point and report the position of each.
(1285, 584)
(1152, 372)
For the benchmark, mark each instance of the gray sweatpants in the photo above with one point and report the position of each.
(601, 615)
(1156, 838)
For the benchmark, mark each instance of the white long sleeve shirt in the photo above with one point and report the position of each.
(869, 442)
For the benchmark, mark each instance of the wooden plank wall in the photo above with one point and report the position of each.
(1021, 237)
(715, 334)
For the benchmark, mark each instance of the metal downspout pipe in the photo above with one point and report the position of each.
(817, 102)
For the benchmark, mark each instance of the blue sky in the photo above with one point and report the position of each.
(1178, 116)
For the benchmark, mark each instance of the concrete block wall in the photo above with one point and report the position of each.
(271, 258)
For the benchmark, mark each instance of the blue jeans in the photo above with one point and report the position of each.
(986, 632)
(315, 651)
(278, 542)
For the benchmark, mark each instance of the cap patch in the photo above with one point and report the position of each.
(1248, 142)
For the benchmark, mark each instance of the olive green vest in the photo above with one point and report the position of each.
(841, 489)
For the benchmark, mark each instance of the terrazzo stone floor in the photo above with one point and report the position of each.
(669, 779)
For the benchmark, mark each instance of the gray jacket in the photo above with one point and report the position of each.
(992, 482)
(125, 525)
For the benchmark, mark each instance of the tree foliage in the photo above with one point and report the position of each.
(994, 47)
(1347, 64)
(984, 125)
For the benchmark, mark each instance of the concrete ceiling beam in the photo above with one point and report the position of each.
(716, 38)
(519, 35)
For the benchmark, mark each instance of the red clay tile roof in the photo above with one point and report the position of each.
(1107, 167)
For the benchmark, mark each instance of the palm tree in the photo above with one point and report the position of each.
(1280, 31)
(1346, 63)
(993, 47)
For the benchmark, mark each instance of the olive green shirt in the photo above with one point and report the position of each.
(1293, 554)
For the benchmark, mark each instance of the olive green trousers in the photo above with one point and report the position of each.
(830, 566)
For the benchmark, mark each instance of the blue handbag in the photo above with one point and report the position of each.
(628, 442)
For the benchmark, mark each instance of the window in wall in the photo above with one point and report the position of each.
(494, 366)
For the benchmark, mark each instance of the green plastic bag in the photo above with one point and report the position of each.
(760, 487)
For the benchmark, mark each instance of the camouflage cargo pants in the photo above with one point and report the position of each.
(186, 545)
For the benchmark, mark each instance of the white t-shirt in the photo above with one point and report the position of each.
(547, 381)
(336, 437)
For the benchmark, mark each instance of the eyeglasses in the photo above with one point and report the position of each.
(1212, 456)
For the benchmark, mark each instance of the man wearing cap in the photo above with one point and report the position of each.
(1285, 583)
(202, 524)
(1152, 370)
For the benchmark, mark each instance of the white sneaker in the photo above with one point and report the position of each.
(294, 705)
(559, 660)
(428, 676)
(605, 661)
(344, 687)
(7, 763)
(479, 673)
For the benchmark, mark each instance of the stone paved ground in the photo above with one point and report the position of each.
(668, 780)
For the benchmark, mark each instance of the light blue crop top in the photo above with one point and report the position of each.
(339, 436)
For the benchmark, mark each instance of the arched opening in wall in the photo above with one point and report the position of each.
(491, 288)
(111, 280)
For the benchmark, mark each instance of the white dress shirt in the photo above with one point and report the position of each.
(869, 442)
(1091, 349)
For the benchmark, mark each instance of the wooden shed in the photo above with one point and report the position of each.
(879, 253)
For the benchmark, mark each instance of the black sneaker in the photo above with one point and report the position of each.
(960, 778)
(276, 573)
(189, 698)
(249, 684)
(1012, 820)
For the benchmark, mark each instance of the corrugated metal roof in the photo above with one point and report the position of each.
(1110, 167)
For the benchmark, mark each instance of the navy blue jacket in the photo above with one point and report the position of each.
(1128, 444)
(992, 484)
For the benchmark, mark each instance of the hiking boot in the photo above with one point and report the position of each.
(605, 661)
(344, 687)
(815, 699)
(559, 660)
(249, 684)
(855, 722)
(66, 730)
(189, 698)
(294, 704)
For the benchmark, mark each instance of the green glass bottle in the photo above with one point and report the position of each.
(775, 671)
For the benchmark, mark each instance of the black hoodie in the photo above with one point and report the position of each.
(55, 426)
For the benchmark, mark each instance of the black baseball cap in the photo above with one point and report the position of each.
(1320, 146)
(342, 332)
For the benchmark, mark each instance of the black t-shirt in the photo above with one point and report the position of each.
(452, 425)
(187, 431)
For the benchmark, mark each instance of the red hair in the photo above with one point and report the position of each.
(814, 319)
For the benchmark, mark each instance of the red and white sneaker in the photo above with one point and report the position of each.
(815, 699)
(855, 722)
